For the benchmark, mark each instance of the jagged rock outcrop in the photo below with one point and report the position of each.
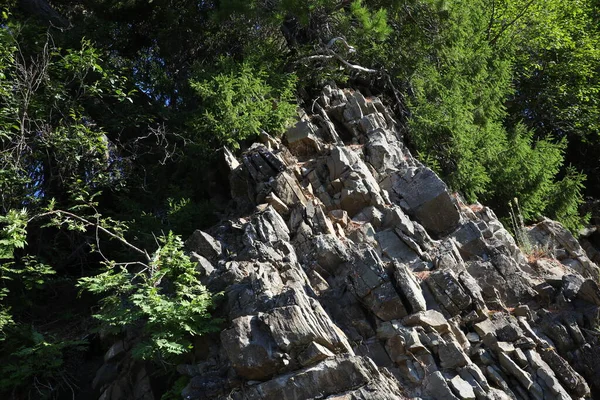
(351, 272)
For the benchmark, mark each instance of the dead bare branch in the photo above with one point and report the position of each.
(327, 53)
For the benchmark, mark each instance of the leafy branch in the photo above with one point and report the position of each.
(85, 223)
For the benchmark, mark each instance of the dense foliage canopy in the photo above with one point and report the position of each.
(109, 108)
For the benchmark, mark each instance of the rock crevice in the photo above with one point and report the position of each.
(350, 271)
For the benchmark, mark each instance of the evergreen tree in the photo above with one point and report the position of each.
(107, 108)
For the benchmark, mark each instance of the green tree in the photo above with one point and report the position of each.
(238, 102)
(104, 125)
(460, 68)
(557, 78)
(58, 153)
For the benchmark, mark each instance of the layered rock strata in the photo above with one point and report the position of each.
(349, 271)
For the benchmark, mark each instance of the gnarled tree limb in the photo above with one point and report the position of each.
(328, 54)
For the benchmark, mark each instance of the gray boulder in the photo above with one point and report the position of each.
(302, 139)
(436, 386)
(426, 197)
(384, 156)
(302, 322)
(409, 287)
(429, 318)
(394, 248)
(251, 349)
(204, 245)
(332, 376)
(552, 235)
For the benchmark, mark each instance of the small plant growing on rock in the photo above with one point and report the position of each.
(516, 219)
(532, 252)
(539, 253)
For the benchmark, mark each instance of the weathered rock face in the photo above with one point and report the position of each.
(351, 272)
(552, 236)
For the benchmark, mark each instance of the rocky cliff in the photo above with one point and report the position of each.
(349, 271)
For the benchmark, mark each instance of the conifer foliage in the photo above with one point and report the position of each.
(109, 108)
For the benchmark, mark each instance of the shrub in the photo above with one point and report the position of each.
(166, 296)
(36, 364)
(239, 100)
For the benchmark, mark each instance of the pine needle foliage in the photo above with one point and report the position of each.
(239, 100)
(460, 126)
